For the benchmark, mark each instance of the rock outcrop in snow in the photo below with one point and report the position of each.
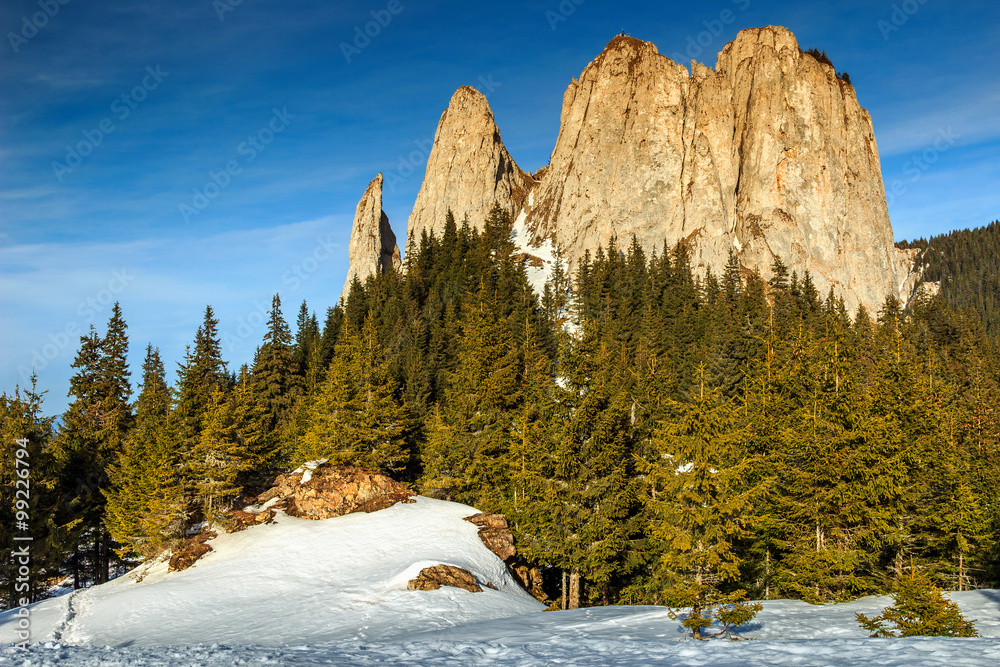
(768, 154)
(292, 582)
(434, 577)
(468, 169)
(373, 249)
(495, 534)
(318, 491)
(189, 553)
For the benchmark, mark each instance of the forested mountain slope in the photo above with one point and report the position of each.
(967, 264)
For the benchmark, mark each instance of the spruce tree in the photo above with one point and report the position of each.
(29, 499)
(144, 504)
(200, 377)
(702, 506)
(90, 440)
(482, 391)
(277, 385)
(920, 609)
(357, 417)
(229, 447)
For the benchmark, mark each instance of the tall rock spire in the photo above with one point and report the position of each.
(373, 249)
(769, 155)
(468, 169)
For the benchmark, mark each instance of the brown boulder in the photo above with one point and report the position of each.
(331, 491)
(494, 533)
(190, 551)
(239, 520)
(530, 578)
(436, 576)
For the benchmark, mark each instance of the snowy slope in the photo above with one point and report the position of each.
(294, 582)
(302, 592)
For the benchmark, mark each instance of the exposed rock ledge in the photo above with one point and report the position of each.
(436, 576)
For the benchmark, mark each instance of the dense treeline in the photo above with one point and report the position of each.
(655, 436)
(967, 265)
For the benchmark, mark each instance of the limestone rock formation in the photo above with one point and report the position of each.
(768, 154)
(494, 534)
(468, 169)
(373, 249)
(436, 576)
(324, 491)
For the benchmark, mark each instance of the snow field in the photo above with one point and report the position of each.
(296, 581)
(300, 592)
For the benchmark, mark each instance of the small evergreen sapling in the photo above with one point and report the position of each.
(920, 609)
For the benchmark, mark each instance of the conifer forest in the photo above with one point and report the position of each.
(653, 435)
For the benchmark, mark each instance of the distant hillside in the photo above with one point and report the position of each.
(967, 264)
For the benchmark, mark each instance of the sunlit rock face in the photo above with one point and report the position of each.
(468, 169)
(769, 155)
(373, 249)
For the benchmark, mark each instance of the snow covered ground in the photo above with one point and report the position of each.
(540, 270)
(302, 592)
(295, 581)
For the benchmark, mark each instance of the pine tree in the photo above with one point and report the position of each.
(229, 446)
(357, 417)
(702, 506)
(144, 503)
(920, 609)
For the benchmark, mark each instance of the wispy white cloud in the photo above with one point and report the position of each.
(50, 293)
(973, 118)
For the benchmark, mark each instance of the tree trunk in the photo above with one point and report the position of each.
(95, 574)
(564, 589)
(105, 555)
(574, 589)
(767, 574)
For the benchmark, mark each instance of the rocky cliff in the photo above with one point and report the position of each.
(468, 169)
(373, 247)
(768, 154)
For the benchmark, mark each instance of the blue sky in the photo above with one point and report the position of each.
(173, 154)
